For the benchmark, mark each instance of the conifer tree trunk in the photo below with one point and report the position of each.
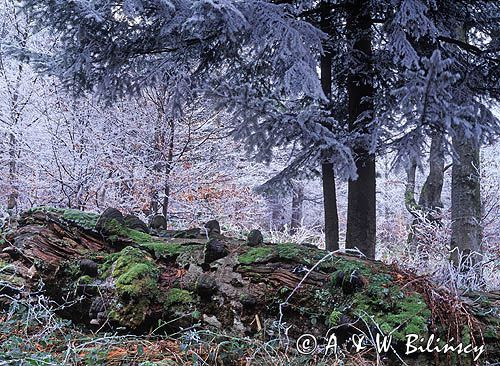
(297, 202)
(466, 232)
(15, 116)
(168, 168)
(328, 174)
(330, 206)
(430, 196)
(277, 221)
(361, 206)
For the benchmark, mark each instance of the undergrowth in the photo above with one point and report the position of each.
(31, 333)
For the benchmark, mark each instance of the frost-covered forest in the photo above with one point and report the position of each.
(365, 127)
(135, 134)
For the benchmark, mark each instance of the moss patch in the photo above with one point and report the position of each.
(334, 317)
(135, 273)
(396, 312)
(85, 280)
(178, 296)
(255, 255)
(114, 228)
(85, 220)
(136, 276)
(296, 253)
(161, 249)
(289, 252)
(393, 311)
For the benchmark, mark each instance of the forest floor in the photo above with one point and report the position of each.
(82, 289)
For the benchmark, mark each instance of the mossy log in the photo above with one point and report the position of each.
(182, 279)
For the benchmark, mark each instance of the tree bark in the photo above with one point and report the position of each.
(15, 115)
(297, 203)
(168, 168)
(361, 206)
(429, 202)
(430, 196)
(277, 212)
(328, 174)
(466, 209)
(410, 202)
(466, 231)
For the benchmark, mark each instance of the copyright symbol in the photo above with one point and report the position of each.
(306, 344)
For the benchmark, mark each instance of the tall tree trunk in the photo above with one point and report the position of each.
(466, 232)
(429, 201)
(277, 212)
(328, 174)
(12, 199)
(168, 167)
(15, 116)
(410, 202)
(430, 196)
(361, 206)
(330, 208)
(297, 202)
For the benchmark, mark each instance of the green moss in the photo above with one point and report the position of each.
(106, 266)
(283, 251)
(86, 220)
(132, 313)
(115, 230)
(162, 249)
(257, 254)
(300, 254)
(466, 335)
(290, 252)
(8, 275)
(135, 276)
(394, 312)
(492, 332)
(178, 296)
(85, 280)
(70, 269)
(134, 272)
(45, 209)
(347, 266)
(334, 317)
(284, 291)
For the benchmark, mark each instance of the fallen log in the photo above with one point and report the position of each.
(121, 278)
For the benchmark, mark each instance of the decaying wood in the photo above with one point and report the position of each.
(244, 290)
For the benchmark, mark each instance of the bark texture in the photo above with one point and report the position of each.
(466, 231)
(297, 204)
(361, 210)
(466, 209)
(328, 174)
(430, 196)
(429, 202)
